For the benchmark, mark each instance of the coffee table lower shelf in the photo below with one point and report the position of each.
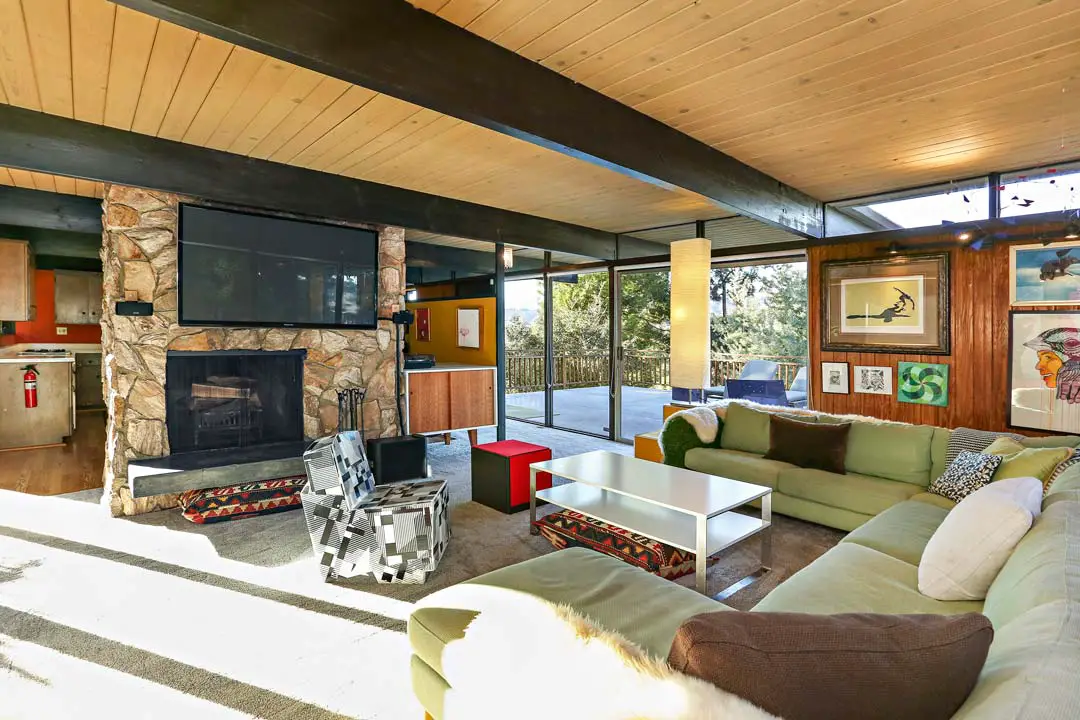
(654, 521)
(673, 527)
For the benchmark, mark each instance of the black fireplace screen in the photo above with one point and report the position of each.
(232, 399)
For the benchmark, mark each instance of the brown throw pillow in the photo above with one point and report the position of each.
(841, 667)
(808, 445)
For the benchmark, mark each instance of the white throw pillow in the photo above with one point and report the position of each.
(977, 537)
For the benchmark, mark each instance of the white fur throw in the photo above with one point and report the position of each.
(702, 418)
(519, 641)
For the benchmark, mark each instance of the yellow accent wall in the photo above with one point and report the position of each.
(443, 342)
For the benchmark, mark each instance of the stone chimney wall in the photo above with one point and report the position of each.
(139, 254)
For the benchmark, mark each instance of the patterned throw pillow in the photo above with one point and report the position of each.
(1061, 468)
(241, 501)
(968, 472)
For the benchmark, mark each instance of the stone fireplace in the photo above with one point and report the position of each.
(233, 398)
(139, 256)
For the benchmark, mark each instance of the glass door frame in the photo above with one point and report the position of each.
(618, 361)
(549, 350)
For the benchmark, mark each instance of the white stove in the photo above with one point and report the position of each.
(42, 353)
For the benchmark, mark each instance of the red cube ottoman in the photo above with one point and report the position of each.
(500, 473)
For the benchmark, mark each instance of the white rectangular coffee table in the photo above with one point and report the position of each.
(683, 508)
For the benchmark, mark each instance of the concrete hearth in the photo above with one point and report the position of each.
(139, 255)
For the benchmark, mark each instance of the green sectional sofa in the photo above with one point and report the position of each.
(1034, 604)
(887, 463)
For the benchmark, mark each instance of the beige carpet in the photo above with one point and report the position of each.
(157, 617)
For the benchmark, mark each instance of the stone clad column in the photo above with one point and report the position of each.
(139, 255)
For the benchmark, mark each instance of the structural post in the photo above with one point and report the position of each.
(994, 186)
(614, 356)
(549, 344)
(500, 340)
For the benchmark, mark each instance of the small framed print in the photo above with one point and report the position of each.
(834, 378)
(423, 324)
(469, 327)
(872, 379)
(923, 383)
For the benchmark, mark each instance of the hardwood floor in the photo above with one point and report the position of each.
(74, 466)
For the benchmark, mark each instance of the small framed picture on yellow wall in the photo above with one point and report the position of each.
(469, 325)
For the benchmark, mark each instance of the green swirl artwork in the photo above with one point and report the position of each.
(923, 383)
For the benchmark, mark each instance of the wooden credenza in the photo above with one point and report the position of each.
(450, 397)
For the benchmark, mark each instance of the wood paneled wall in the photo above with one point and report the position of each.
(978, 365)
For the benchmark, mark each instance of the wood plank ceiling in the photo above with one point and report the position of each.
(50, 183)
(94, 61)
(838, 98)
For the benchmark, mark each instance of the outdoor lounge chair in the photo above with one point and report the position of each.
(796, 396)
(752, 370)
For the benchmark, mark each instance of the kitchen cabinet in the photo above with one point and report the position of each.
(88, 392)
(53, 420)
(16, 280)
(78, 298)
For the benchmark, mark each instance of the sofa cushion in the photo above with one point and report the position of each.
(939, 447)
(1032, 668)
(1068, 480)
(745, 429)
(851, 578)
(902, 531)
(932, 499)
(843, 667)
(1043, 568)
(736, 465)
(1020, 461)
(643, 608)
(821, 446)
(1052, 441)
(816, 512)
(977, 537)
(859, 493)
(890, 450)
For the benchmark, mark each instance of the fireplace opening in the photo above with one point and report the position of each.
(233, 398)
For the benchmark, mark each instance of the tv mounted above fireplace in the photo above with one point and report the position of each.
(245, 269)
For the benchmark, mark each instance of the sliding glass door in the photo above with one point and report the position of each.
(526, 359)
(644, 312)
(581, 362)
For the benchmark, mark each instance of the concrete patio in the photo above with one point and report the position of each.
(587, 409)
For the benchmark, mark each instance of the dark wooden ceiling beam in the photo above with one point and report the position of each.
(49, 210)
(428, 255)
(48, 143)
(391, 47)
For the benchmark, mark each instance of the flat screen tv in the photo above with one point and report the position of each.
(244, 269)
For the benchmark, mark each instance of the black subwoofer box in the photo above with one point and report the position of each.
(394, 459)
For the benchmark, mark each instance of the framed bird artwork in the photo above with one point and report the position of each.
(1046, 275)
(889, 305)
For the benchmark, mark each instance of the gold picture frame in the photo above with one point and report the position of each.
(886, 305)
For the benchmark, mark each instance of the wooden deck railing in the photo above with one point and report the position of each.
(525, 373)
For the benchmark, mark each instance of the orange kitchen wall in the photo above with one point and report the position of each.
(443, 342)
(43, 328)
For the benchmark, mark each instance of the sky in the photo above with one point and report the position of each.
(1048, 192)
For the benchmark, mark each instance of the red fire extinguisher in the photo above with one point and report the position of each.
(29, 379)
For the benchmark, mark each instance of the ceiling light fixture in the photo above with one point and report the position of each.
(1072, 231)
(964, 236)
